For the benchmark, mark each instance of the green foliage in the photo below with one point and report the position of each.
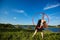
(26, 35)
(5, 26)
(8, 32)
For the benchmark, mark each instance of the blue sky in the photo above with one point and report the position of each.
(22, 11)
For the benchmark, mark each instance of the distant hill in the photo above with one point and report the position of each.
(20, 26)
(6, 26)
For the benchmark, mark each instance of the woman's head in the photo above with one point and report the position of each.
(45, 24)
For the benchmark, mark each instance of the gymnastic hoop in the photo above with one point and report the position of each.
(42, 17)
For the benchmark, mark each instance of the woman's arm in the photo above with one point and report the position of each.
(42, 23)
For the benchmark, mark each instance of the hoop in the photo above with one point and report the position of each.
(39, 13)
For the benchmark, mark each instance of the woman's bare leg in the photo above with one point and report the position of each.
(34, 33)
(42, 34)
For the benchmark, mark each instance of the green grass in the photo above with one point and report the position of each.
(27, 35)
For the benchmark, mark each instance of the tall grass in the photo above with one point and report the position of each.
(27, 35)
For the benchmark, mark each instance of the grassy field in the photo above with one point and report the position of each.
(27, 35)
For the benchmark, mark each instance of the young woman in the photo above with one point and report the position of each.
(40, 27)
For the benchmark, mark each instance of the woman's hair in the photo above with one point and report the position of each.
(39, 22)
(44, 22)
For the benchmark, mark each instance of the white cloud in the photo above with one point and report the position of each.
(19, 11)
(51, 6)
(54, 20)
(4, 12)
(14, 18)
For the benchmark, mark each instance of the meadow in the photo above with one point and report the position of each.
(17, 34)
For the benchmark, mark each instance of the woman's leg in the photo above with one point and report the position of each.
(34, 33)
(42, 34)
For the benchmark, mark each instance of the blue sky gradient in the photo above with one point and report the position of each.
(22, 11)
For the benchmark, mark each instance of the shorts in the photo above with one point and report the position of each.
(40, 29)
